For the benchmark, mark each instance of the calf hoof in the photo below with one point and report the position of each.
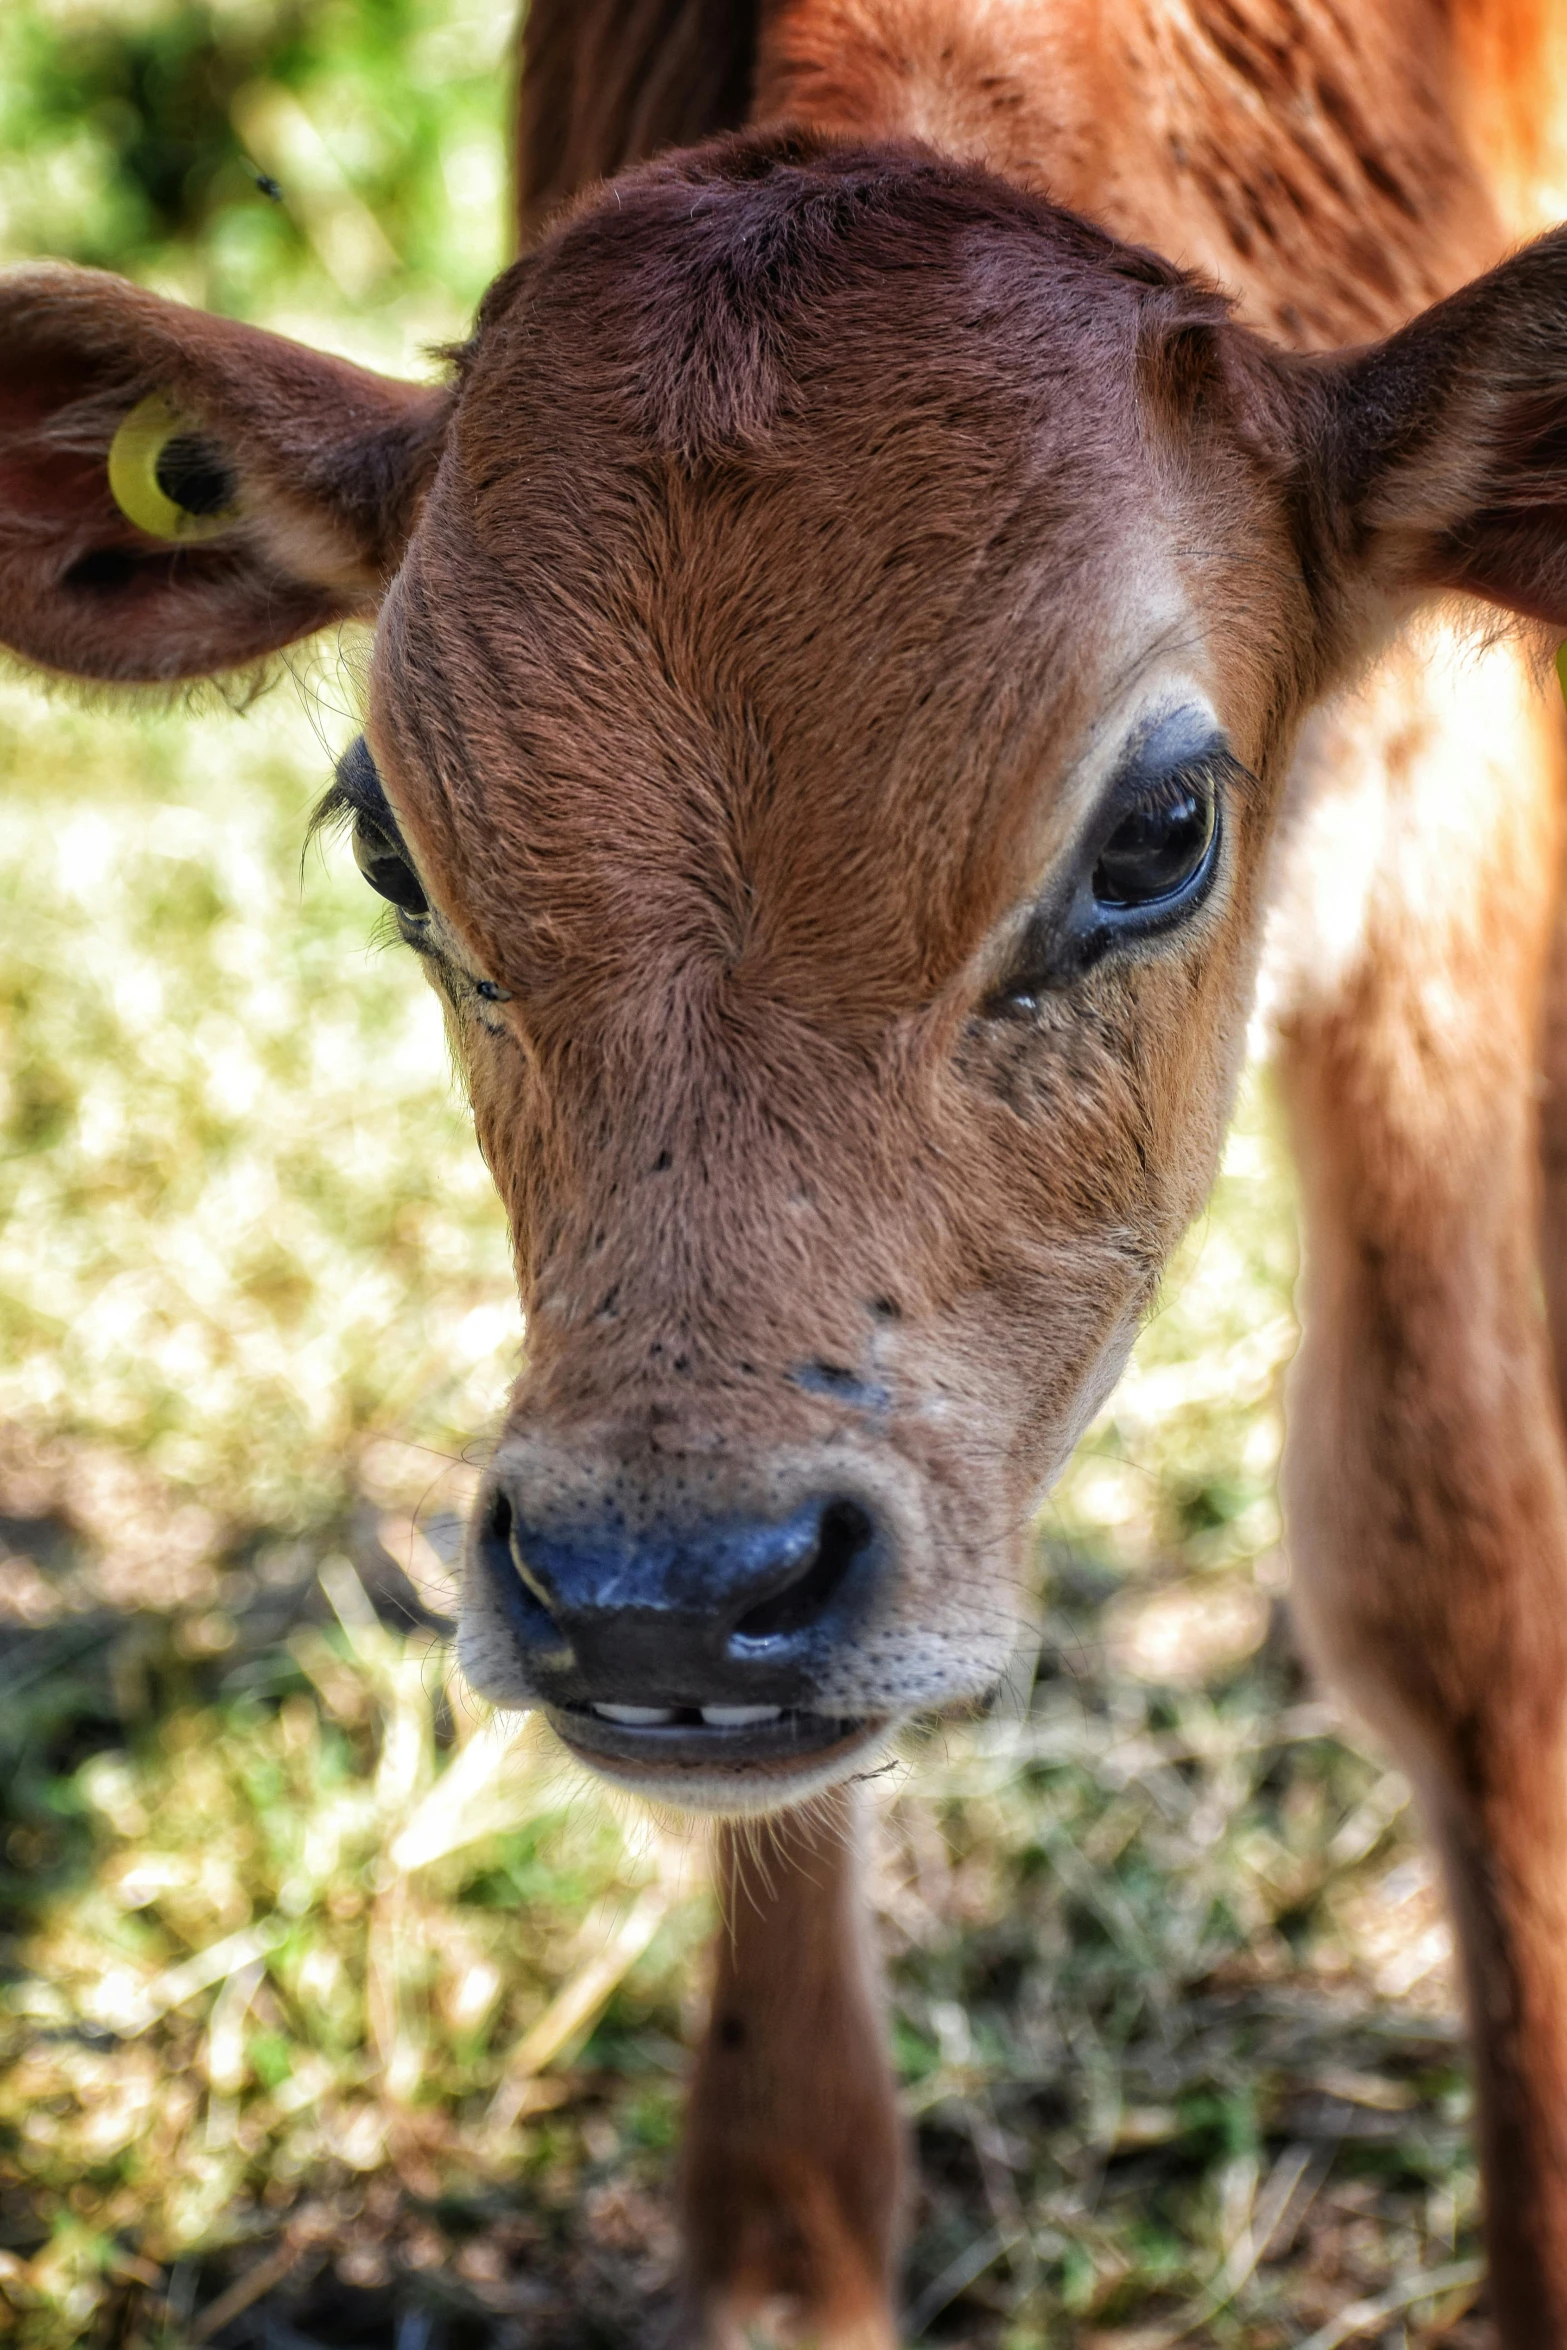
(784, 2322)
(784, 2260)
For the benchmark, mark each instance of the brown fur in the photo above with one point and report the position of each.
(813, 520)
(603, 86)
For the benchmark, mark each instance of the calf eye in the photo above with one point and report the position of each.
(382, 862)
(1161, 847)
(1141, 872)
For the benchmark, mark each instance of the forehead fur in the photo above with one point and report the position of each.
(786, 506)
(697, 282)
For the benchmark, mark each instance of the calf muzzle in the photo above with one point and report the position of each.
(673, 1647)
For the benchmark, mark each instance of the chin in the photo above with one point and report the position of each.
(726, 1773)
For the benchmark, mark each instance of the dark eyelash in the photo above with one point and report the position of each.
(355, 790)
(1217, 767)
(332, 814)
(337, 809)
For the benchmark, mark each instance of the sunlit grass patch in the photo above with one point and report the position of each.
(325, 1926)
(244, 1227)
(338, 172)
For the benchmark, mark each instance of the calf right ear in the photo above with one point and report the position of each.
(180, 495)
(1438, 459)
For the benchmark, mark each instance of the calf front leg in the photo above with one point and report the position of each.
(1426, 1484)
(792, 2172)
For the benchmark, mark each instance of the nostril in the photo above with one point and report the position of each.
(500, 1516)
(845, 1531)
(497, 1524)
(529, 1607)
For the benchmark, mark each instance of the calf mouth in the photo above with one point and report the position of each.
(681, 1752)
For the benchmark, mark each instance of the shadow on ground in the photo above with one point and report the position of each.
(1170, 1999)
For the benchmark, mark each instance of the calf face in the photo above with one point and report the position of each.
(835, 794)
(823, 740)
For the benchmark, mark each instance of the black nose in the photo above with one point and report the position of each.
(736, 1614)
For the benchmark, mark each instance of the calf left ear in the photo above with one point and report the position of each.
(180, 495)
(1438, 459)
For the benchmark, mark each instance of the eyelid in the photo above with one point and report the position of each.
(360, 793)
(1157, 762)
(386, 826)
(1172, 738)
(365, 820)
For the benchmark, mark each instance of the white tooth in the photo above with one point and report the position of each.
(739, 1717)
(637, 1717)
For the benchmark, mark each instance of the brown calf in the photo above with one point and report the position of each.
(860, 652)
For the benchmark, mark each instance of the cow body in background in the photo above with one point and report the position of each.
(897, 600)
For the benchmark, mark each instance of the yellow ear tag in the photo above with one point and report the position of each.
(135, 455)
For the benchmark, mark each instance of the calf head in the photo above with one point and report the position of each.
(840, 639)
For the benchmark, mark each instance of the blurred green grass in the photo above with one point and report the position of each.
(334, 167)
(331, 2010)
